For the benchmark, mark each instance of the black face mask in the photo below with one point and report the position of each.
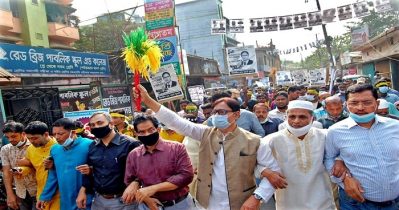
(101, 132)
(150, 139)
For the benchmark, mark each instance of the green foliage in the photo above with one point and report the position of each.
(105, 35)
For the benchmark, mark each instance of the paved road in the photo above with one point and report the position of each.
(270, 205)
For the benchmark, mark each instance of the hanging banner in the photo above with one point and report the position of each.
(168, 46)
(197, 94)
(300, 77)
(236, 26)
(165, 84)
(345, 12)
(329, 15)
(159, 14)
(283, 78)
(361, 9)
(300, 21)
(218, 26)
(286, 22)
(382, 5)
(117, 97)
(317, 77)
(315, 18)
(80, 99)
(359, 35)
(242, 61)
(83, 116)
(265, 82)
(256, 25)
(271, 24)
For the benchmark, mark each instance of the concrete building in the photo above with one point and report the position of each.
(194, 21)
(381, 53)
(44, 23)
(267, 58)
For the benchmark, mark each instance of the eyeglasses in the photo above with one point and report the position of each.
(364, 103)
(192, 110)
(220, 111)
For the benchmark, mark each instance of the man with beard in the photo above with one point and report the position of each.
(270, 125)
(38, 134)
(335, 111)
(70, 152)
(24, 196)
(303, 182)
(341, 91)
(105, 168)
(281, 100)
(164, 181)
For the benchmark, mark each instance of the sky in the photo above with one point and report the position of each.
(243, 9)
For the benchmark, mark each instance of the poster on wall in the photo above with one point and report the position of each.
(242, 61)
(300, 77)
(80, 99)
(317, 76)
(283, 78)
(117, 97)
(196, 94)
(82, 116)
(165, 84)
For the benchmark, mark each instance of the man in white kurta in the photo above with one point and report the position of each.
(299, 152)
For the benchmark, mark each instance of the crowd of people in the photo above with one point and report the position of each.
(305, 147)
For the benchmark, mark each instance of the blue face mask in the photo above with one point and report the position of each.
(362, 119)
(323, 103)
(68, 141)
(221, 121)
(20, 143)
(267, 119)
(383, 89)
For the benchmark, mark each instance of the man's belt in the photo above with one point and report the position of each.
(381, 204)
(174, 202)
(112, 196)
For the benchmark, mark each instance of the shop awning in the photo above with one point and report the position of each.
(5, 74)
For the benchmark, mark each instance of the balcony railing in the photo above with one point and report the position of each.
(61, 32)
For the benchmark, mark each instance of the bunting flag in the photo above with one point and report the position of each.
(300, 21)
(236, 26)
(361, 9)
(345, 12)
(382, 5)
(329, 15)
(218, 26)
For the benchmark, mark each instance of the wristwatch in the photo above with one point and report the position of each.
(257, 196)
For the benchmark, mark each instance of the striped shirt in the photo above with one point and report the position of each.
(371, 155)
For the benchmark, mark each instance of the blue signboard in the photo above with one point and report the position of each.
(168, 46)
(25, 61)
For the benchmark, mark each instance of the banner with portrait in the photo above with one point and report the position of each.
(236, 26)
(197, 94)
(317, 77)
(265, 81)
(218, 26)
(242, 61)
(165, 84)
(283, 78)
(300, 77)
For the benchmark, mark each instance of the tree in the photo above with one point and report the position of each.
(105, 35)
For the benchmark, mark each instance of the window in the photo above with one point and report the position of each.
(35, 2)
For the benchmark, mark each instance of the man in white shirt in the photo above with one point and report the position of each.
(227, 157)
(299, 150)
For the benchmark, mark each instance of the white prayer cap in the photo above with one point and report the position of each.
(298, 104)
(383, 104)
(323, 93)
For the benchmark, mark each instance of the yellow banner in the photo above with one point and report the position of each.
(160, 14)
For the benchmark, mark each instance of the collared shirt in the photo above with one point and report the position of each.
(9, 155)
(65, 177)
(219, 193)
(271, 126)
(320, 112)
(392, 91)
(247, 121)
(168, 162)
(371, 155)
(109, 163)
(171, 137)
(37, 155)
(341, 96)
(391, 98)
(275, 113)
(327, 121)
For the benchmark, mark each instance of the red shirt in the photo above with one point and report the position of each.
(168, 162)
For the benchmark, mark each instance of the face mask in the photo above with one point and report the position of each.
(310, 97)
(101, 132)
(267, 119)
(165, 127)
(150, 139)
(221, 121)
(68, 141)
(323, 103)
(362, 119)
(383, 89)
(299, 131)
(20, 143)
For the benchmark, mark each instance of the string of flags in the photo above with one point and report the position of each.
(302, 20)
(298, 49)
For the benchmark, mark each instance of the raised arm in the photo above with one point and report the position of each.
(169, 118)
